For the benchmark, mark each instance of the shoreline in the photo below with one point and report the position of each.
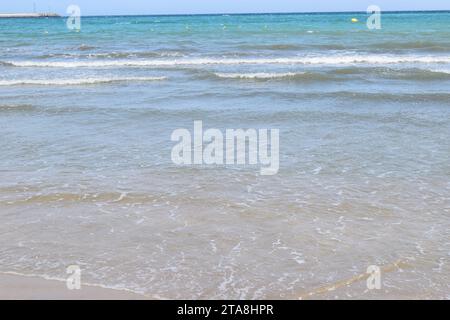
(23, 287)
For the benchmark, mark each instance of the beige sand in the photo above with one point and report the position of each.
(14, 287)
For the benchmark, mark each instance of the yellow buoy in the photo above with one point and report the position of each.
(354, 20)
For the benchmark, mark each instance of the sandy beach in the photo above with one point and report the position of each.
(15, 287)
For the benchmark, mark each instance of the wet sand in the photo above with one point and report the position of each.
(14, 287)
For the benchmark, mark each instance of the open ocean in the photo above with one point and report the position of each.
(86, 176)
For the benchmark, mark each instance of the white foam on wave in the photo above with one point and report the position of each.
(440, 70)
(261, 75)
(312, 60)
(71, 82)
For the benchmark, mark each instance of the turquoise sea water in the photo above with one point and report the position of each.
(364, 117)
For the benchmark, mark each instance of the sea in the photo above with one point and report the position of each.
(87, 178)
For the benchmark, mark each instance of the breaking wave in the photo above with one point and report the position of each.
(261, 75)
(70, 82)
(319, 60)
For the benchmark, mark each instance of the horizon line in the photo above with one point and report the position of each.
(253, 13)
(237, 13)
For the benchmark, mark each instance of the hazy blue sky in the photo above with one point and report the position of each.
(99, 7)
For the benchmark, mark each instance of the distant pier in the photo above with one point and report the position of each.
(29, 15)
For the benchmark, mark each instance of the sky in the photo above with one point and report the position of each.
(124, 7)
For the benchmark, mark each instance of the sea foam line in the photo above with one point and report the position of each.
(321, 60)
(260, 75)
(68, 82)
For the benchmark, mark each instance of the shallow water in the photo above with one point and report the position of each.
(364, 120)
